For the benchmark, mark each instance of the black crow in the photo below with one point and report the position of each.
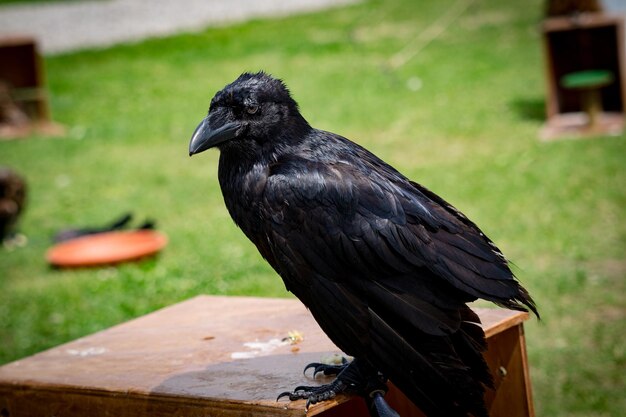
(385, 266)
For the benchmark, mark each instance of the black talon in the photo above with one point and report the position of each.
(314, 365)
(282, 395)
(356, 377)
(327, 369)
(299, 393)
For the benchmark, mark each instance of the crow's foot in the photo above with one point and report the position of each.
(356, 377)
(314, 395)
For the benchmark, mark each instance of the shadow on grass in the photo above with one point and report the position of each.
(529, 108)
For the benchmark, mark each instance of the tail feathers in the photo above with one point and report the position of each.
(520, 302)
(438, 381)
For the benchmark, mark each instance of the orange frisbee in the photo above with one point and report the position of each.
(106, 248)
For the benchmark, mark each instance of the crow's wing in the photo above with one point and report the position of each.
(385, 267)
(346, 222)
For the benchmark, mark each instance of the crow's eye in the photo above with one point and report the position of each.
(252, 108)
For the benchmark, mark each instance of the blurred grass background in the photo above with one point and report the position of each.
(461, 116)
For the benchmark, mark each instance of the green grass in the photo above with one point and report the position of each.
(469, 133)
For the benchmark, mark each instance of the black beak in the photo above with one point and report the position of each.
(206, 137)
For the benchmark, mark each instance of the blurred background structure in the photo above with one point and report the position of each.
(585, 60)
(24, 107)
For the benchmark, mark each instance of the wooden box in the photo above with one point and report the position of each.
(22, 70)
(24, 107)
(587, 41)
(221, 356)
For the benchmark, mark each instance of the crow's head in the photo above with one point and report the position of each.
(254, 107)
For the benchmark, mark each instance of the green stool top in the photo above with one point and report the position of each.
(581, 80)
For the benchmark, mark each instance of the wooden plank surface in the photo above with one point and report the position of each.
(216, 353)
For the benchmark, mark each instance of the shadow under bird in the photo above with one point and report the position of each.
(385, 266)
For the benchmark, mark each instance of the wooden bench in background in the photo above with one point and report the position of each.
(221, 356)
(24, 107)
